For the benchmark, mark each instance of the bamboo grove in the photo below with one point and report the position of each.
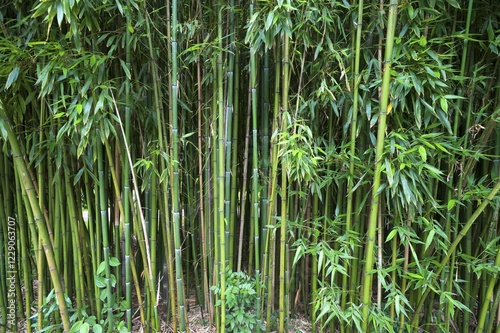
(260, 159)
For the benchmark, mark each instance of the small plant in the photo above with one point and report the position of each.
(241, 300)
(80, 321)
(105, 294)
(49, 309)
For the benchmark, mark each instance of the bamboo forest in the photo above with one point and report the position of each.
(250, 166)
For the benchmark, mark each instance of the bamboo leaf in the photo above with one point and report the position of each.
(12, 77)
(423, 153)
(60, 13)
(125, 69)
(389, 172)
(451, 204)
(78, 176)
(454, 3)
(3, 130)
(444, 104)
(119, 6)
(430, 238)
(414, 276)
(391, 235)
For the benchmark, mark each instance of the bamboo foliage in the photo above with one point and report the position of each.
(261, 159)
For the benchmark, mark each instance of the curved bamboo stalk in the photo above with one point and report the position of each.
(451, 249)
(38, 217)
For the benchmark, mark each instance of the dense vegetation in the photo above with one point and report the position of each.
(338, 159)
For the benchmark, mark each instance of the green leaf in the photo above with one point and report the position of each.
(415, 276)
(125, 69)
(454, 3)
(444, 104)
(119, 6)
(60, 13)
(101, 267)
(76, 327)
(114, 262)
(391, 235)
(78, 176)
(453, 97)
(389, 172)
(423, 40)
(12, 77)
(85, 328)
(97, 328)
(423, 153)
(100, 281)
(3, 129)
(130, 28)
(430, 238)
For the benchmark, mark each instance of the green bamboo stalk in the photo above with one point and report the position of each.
(153, 239)
(372, 224)
(37, 215)
(126, 173)
(25, 260)
(214, 226)
(234, 161)
(255, 179)
(272, 185)
(96, 305)
(40, 266)
(283, 232)
(201, 185)
(75, 240)
(348, 287)
(220, 169)
(266, 89)
(3, 237)
(175, 171)
(284, 185)
(103, 209)
(314, 268)
(229, 177)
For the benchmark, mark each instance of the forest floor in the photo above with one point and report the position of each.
(199, 324)
(197, 320)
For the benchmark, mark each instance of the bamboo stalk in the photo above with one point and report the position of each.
(220, 171)
(103, 208)
(175, 172)
(255, 180)
(374, 206)
(284, 185)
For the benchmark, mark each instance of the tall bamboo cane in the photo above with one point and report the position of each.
(373, 219)
(220, 170)
(255, 177)
(175, 171)
(284, 185)
(352, 147)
